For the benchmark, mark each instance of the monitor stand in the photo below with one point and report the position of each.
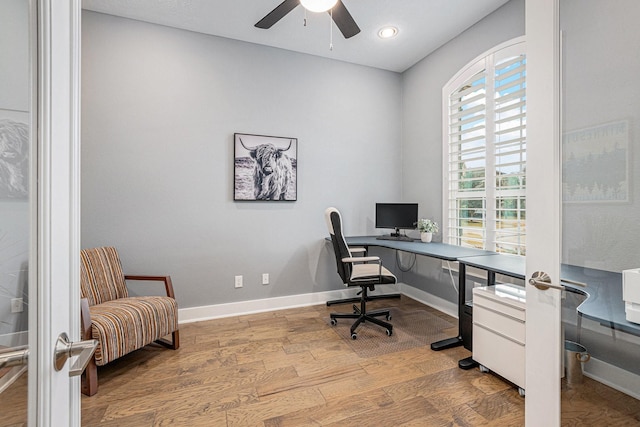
(396, 236)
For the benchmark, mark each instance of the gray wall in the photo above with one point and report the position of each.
(422, 125)
(159, 110)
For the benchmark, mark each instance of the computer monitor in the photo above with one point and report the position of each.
(396, 216)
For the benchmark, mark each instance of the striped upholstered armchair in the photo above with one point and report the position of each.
(121, 323)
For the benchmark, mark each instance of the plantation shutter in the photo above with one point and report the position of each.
(485, 200)
(467, 161)
(510, 152)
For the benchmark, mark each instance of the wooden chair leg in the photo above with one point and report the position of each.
(175, 340)
(174, 344)
(90, 379)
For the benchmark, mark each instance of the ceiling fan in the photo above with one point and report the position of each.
(339, 13)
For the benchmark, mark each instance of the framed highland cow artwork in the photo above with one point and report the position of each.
(14, 155)
(265, 168)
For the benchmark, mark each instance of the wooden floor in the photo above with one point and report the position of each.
(291, 368)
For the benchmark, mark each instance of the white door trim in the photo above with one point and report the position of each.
(57, 215)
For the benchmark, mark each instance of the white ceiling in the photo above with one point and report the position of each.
(424, 25)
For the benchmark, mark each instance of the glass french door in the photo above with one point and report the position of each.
(39, 209)
(600, 125)
(17, 142)
(582, 206)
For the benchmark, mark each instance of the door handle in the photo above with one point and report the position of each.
(17, 357)
(542, 281)
(66, 349)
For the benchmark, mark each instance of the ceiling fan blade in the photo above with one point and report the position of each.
(277, 14)
(344, 20)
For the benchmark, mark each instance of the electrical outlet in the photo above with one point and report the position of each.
(16, 305)
(265, 278)
(238, 281)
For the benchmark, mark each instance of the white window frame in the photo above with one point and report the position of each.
(485, 61)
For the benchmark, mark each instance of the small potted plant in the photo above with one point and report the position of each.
(427, 228)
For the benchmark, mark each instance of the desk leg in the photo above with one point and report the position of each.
(467, 363)
(465, 321)
(446, 343)
(579, 327)
(491, 278)
(456, 341)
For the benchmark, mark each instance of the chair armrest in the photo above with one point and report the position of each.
(358, 250)
(85, 319)
(361, 259)
(168, 286)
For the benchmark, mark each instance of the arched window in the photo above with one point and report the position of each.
(485, 152)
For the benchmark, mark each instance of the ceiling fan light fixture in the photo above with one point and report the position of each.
(318, 5)
(387, 32)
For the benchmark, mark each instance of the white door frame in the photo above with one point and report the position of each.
(58, 234)
(543, 324)
(54, 398)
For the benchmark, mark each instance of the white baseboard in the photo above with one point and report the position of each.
(14, 339)
(198, 314)
(432, 301)
(616, 378)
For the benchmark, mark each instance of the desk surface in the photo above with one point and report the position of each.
(509, 265)
(604, 303)
(433, 249)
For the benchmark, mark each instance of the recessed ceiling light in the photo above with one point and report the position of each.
(387, 32)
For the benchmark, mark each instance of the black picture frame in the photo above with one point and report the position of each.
(265, 168)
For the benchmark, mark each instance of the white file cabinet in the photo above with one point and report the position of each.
(499, 331)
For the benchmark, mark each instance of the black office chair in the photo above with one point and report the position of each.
(362, 271)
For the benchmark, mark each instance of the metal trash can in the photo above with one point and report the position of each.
(574, 356)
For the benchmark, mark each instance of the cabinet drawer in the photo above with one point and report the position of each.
(506, 326)
(500, 355)
(489, 301)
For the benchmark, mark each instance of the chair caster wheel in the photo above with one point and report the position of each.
(354, 336)
(483, 369)
(389, 332)
(334, 322)
(388, 317)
